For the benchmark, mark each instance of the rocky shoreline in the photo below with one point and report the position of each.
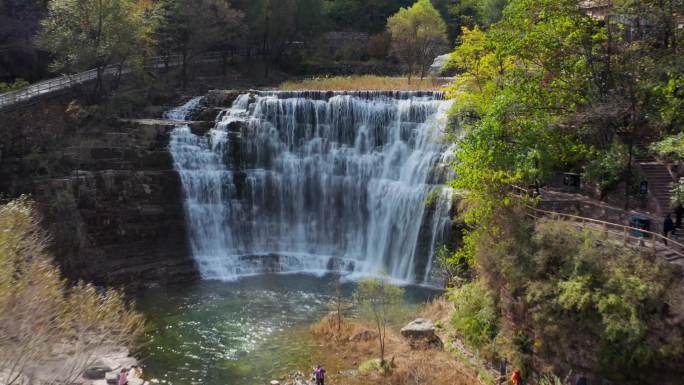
(98, 367)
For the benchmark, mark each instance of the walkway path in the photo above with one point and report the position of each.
(8, 99)
(646, 240)
(629, 236)
(65, 82)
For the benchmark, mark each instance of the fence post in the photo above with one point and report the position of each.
(624, 235)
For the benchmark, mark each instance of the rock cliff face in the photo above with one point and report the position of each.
(108, 191)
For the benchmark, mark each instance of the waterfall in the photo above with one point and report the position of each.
(317, 181)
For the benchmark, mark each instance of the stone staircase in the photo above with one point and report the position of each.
(660, 183)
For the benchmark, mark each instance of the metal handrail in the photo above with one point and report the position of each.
(70, 80)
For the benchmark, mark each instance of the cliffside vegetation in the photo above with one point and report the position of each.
(579, 89)
(43, 318)
(549, 89)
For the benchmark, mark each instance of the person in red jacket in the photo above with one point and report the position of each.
(515, 377)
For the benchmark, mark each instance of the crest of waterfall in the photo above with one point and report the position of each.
(317, 181)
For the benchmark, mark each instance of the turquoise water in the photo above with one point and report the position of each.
(245, 332)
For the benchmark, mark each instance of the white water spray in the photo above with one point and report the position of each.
(312, 182)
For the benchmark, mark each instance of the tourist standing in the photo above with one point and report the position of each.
(503, 370)
(123, 377)
(320, 375)
(679, 212)
(668, 227)
(581, 380)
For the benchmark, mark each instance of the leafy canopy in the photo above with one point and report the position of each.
(519, 83)
(85, 34)
(418, 35)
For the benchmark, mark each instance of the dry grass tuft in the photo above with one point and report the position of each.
(430, 367)
(329, 329)
(410, 366)
(437, 310)
(364, 83)
(40, 312)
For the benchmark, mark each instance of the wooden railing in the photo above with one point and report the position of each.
(627, 234)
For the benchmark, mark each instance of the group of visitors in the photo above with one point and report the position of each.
(135, 372)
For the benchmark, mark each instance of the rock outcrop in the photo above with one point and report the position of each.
(298, 378)
(437, 66)
(421, 333)
(364, 335)
(108, 191)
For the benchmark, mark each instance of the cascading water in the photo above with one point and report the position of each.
(312, 182)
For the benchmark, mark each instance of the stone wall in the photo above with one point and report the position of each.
(108, 192)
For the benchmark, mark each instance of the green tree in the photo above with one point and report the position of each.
(379, 301)
(521, 83)
(418, 36)
(190, 28)
(94, 34)
(363, 15)
(20, 58)
(469, 13)
(475, 315)
(670, 149)
(616, 297)
(547, 89)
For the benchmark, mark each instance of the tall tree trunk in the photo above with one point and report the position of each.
(628, 175)
(265, 46)
(382, 350)
(98, 38)
(184, 68)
